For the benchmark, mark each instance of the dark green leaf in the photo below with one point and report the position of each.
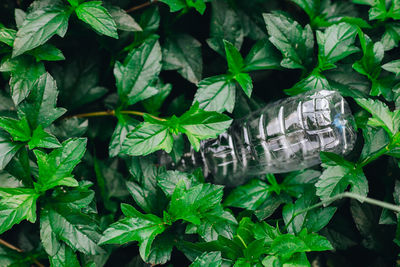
(154, 103)
(393, 66)
(94, 14)
(47, 52)
(234, 58)
(182, 52)
(225, 25)
(295, 43)
(140, 67)
(7, 149)
(17, 204)
(123, 20)
(335, 44)
(249, 196)
(338, 175)
(208, 259)
(40, 106)
(125, 125)
(39, 26)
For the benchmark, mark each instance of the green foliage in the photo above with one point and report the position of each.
(91, 91)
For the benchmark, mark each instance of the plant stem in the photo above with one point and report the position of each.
(10, 246)
(372, 201)
(112, 113)
(140, 6)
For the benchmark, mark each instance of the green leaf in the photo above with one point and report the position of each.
(249, 196)
(216, 94)
(391, 37)
(314, 81)
(335, 44)
(381, 115)
(8, 149)
(39, 107)
(295, 43)
(147, 138)
(262, 56)
(245, 82)
(18, 129)
(123, 20)
(41, 138)
(16, 204)
(141, 66)
(7, 36)
(182, 52)
(338, 175)
(176, 5)
(94, 14)
(56, 168)
(373, 53)
(161, 248)
(154, 103)
(190, 204)
(76, 229)
(313, 220)
(47, 52)
(74, 3)
(215, 223)
(65, 257)
(198, 124)
(135, 227)
(39, 26)
(225, 25)
(234, 58)
(168, 180)
(125, 125)
(393, 66)
(208, 259)
(24, 73)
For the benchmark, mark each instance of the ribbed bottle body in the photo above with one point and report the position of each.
(283, 136)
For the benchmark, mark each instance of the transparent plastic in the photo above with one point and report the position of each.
(284, 136)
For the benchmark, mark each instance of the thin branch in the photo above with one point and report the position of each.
(140, 6)
(112, 113)
(10, 246)
(372, 201)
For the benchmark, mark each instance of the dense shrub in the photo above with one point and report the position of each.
(91, 91)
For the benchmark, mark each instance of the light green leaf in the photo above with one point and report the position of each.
(249, 196)
(183, 53)
(295, 43)
(41, 138)
(47, 52)
(18, 129)
(147, 138)
(56, 168)
(198, 124)
(140, 68)
(216, 94)
(7, 36)
(193, 203)
(135, 227)
(233, 57)
(16, 204)
(94, 14)
(262, 56)
(245, 82)
(39, 26)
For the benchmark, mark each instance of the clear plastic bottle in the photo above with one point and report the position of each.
(283, 136)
